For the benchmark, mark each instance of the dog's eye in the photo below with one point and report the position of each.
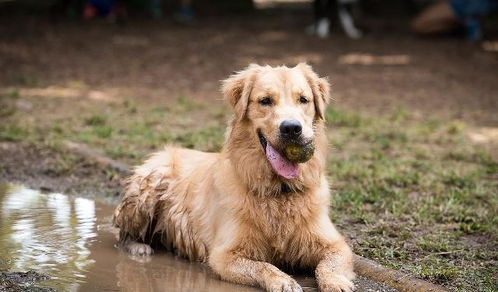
(266, 101)
(303, 99)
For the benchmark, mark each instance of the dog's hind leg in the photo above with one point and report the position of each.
(136, 216)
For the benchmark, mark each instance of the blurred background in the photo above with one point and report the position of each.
(413, 127)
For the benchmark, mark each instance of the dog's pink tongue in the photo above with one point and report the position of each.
(280, 164)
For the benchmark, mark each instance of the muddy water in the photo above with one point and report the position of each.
(71, 240)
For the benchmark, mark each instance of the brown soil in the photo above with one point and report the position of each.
(44, 168)
(160, 59)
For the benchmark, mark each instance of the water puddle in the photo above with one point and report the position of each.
(71, 240)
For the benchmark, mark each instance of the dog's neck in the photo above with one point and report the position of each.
(251, 166)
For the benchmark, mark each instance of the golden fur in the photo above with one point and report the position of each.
(228, 209)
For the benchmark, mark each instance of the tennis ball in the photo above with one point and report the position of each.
(299, 153)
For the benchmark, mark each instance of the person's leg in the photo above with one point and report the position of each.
(155, 8)
(323, 10)
(185, 13)
(470, 13)
(346, 19)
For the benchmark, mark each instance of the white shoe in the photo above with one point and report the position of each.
(348, 25)
(323, 28)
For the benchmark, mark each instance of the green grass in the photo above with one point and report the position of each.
(414, 194)
(13, 133)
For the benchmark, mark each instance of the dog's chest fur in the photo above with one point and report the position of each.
(281, 225)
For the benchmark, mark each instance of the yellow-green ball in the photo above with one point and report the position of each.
(299, 154)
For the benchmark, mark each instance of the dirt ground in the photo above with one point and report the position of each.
(55, 171)
(91, 81)
(158, 60)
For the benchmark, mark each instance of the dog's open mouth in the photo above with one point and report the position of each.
(281, 165)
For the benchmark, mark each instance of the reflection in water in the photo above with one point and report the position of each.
(165, 273)
(71, 240)
(49, 233)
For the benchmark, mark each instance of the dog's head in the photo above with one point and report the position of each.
(280, 107)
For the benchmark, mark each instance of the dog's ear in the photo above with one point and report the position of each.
(237, 89)
(320, 88)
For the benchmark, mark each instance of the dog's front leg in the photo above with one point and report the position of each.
(241, 270)
(334, 272)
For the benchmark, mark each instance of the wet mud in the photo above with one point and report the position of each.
(22, 281)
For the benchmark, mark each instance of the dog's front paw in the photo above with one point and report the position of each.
(336, 283)
(138, 249)
(283, 284)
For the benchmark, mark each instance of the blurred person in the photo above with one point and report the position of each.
(114, 10)
(155, 9)
(185, 13)
(325, 9)
(445, 16)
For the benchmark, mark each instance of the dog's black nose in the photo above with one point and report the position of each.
(291, 128)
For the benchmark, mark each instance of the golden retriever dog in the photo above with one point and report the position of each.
(261, 203)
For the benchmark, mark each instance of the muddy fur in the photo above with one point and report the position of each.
(229, 209)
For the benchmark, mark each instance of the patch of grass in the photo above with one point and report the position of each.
(460, 182)
(118, 152)
(13, 94)
(434, 244)
(344, 119)
(130, 105)
(440, 275)
(400, 115)
(103, 131)
(96, 120)
(8, 103)
(26, 80)
(207, 139)
(410, 192)
(185, 103)
(13, 133)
